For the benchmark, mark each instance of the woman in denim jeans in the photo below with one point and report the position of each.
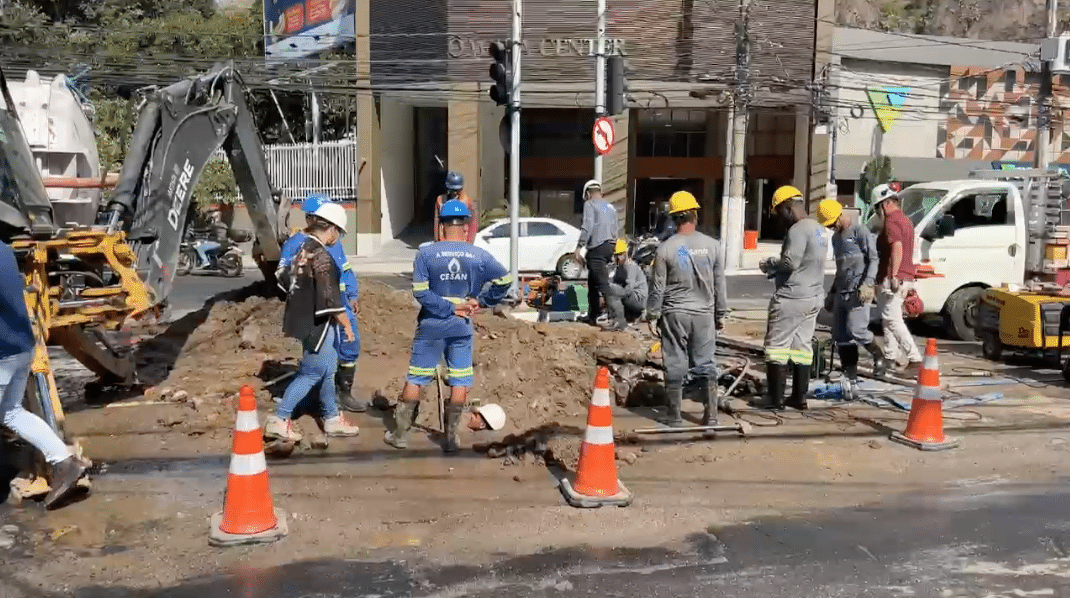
(16, 357)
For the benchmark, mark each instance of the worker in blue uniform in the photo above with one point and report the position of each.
(348, 351)
(451, 280)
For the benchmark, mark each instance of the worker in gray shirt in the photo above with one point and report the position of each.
(689, 299)
(799, 274)
(628, 289)
(598, 234)
(853, 290)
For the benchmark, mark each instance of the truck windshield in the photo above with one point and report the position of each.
(915, 202)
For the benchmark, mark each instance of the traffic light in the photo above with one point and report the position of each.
(616, 85)
(501, 71)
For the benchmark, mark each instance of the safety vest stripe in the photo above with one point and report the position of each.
(420, 286)
(346, 266)
(415, 371)
(599, 435)
(248, 464)
(247, 422)
(600, 397)
(504, 280)
(459, 373)
(456, 300)
(928, 393)
(802, 357)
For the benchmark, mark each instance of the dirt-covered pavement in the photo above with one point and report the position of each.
(163, 456)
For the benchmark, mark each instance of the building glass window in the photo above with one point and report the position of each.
(671, 133)
(556, 133)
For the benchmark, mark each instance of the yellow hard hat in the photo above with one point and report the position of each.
(784, 194)
(682, 201)
(622, 247)
(828, 211)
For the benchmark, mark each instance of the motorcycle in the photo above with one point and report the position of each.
(230, 263)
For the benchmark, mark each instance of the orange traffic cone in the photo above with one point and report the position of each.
(248, 515)
(925, 427)
(596, 476)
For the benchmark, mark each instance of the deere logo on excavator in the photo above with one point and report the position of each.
(178, 195)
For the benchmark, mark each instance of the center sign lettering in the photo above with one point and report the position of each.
(459, 47)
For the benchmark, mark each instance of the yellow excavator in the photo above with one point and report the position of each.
(85, 280)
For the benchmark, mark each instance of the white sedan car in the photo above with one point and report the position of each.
(546, 245)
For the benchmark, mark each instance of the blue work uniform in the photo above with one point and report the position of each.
(444, 275)
(348, 351)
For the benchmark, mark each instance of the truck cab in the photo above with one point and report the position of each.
(970, 235)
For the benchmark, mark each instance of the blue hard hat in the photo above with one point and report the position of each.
(454, 181)
(454, 208)
(313, 203)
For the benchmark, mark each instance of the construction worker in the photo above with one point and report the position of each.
(348, 351)
(455, 190)
(853, 289)
(448, 280)
(17, 346)
(628, 289)
(799, 275)
(895, 279)
(689, 300)
(315, 313)
(598, 234)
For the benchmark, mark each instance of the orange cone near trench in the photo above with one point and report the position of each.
(596, 482)
(248, 515)
(925, 426)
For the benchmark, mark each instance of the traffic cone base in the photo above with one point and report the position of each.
(596, 482)
(248, 515)
(925, 426)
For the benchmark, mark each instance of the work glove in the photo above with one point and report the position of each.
(866, 294)
(766, 265)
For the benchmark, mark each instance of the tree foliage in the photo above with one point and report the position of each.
(877, 171)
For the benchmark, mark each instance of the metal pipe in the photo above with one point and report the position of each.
(600, 80)
(81, 183)
(514, 153)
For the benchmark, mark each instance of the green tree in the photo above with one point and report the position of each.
(877, 171)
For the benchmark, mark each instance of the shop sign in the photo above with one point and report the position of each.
(468, 47)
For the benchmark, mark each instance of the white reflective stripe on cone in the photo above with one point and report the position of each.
(247, 422)
(600, 398)
(931, 363)
(928, 393)
(248, 464)
(599, 435)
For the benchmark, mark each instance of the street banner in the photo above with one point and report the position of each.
(296, 29)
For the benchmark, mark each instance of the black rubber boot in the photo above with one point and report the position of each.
(403, 419)
(343, 382)
(849, 361)
(451, 442)
(800, 385)
(776, 380)
(880, 364)
(673, 417)
(709, 411)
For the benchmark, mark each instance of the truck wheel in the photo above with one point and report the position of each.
(960, 313)
(991, 346)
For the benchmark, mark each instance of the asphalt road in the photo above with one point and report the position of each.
(982, 539)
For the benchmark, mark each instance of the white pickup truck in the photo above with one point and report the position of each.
(977, 233)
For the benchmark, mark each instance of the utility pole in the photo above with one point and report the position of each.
(600, 80)
(1044, 121)
(514, 153)
(741, 100)
(727, 176)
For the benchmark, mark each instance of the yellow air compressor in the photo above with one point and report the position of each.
(1023, 320)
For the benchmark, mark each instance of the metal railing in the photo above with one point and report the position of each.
(299, 169)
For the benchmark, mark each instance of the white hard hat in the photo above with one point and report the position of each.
(591, 184)
(493, 414)
(333, 213)
(881, 193)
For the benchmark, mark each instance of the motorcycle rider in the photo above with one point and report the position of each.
(348, 351)
(217, 241)
(455, 190)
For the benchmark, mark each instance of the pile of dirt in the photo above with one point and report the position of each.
(538, 373)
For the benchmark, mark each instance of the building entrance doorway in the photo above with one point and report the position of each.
(651, 193)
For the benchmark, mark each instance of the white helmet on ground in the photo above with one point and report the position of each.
(591, 184)
(493, 414)
(333, 213)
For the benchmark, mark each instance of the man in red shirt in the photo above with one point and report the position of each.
(895, 278)
(455, 190)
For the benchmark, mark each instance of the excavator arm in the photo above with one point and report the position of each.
(179, 128)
